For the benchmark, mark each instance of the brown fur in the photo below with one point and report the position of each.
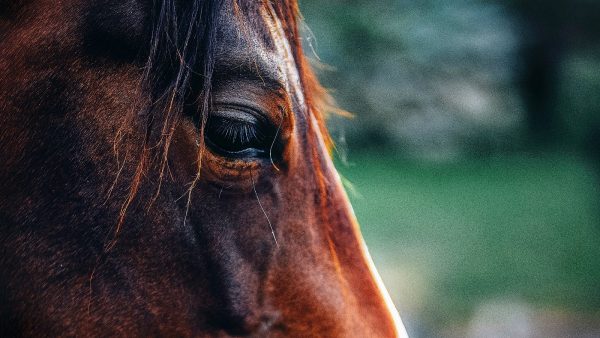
(116, 218)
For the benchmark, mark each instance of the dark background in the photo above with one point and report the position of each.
(473, 157)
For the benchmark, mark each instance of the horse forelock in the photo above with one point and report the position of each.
(183, 46)
(178, 74)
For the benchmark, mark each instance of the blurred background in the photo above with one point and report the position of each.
(473, 158)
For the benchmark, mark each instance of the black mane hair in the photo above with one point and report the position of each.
(180, 64)
(177, 75)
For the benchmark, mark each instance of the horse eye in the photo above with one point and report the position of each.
(238, 134)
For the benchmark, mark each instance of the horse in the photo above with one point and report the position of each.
(166, 171)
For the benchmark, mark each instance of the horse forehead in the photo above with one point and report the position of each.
(256, 37)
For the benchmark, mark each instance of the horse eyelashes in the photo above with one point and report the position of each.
(239, 133)
(238, 138)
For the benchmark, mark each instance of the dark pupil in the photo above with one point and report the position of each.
(232, 135)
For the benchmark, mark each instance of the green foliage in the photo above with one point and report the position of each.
(579, 99)
(428, 76)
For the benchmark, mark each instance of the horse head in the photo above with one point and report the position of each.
(166, 171)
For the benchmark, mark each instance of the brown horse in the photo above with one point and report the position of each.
(165, 172)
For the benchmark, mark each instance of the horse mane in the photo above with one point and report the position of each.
(318, 100)
(179, 69)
